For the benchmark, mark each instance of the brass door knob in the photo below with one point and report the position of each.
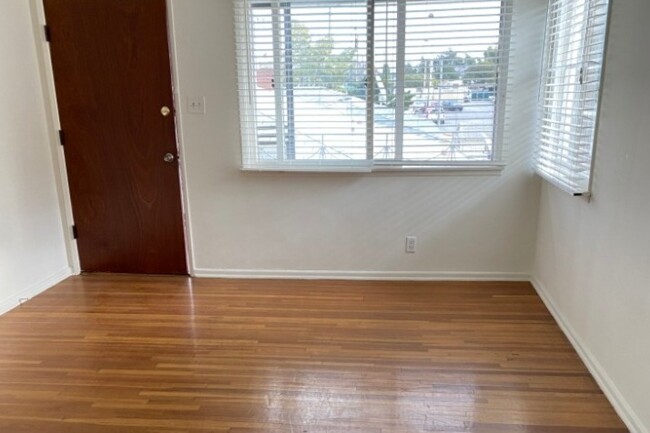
(165, 110)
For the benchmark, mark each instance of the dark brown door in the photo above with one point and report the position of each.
(112, 76)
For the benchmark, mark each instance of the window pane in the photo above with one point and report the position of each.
(311, 80)
(450, 79)
(329, 61)
(385, 92)
(261, 53)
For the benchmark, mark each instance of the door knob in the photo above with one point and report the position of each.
(165, 110)
(169, 157)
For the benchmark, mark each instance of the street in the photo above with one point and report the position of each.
(332, 125)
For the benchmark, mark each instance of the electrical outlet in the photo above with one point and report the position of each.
(411, 244)
(196, 104)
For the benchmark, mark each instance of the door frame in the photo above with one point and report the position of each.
(46, 73)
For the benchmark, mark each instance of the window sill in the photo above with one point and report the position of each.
(460, 169)
(487, 169)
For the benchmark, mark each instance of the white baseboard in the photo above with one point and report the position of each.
(360, 275)
(605, 382)
(34, 289)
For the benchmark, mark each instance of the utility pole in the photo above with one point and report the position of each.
(427, 80)
(442, 64)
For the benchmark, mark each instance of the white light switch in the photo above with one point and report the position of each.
(196, 104)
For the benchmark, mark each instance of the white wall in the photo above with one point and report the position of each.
(32, 249)
(593, 259)
(346, 224)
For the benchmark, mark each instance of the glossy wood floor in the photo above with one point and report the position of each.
(167, 354)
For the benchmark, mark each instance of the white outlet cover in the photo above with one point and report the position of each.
(411, 244)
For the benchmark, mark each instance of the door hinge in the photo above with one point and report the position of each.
(75, 232)
(48, 34)
(61, 138)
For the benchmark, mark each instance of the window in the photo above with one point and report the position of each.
(361, 84)
(569, 94)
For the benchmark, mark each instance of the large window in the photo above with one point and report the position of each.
(361, 84)
(569, 95)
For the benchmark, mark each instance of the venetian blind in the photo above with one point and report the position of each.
(569, 95)
(359, 84)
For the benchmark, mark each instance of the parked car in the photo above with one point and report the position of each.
(451, 105)
(486, 94)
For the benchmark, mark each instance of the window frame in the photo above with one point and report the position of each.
(370, 164)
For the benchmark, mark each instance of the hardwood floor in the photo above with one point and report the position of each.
(139, 354)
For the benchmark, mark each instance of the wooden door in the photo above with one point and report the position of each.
(113, 81)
